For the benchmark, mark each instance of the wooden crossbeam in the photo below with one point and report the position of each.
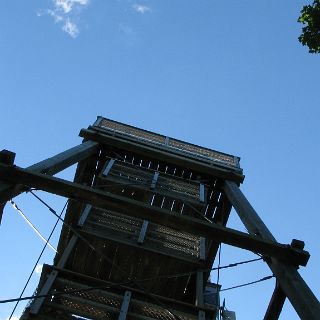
(49, 166)
(157, 215)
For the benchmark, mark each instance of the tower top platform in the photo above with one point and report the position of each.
(182, 148)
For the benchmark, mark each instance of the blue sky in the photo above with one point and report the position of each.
(226, 75)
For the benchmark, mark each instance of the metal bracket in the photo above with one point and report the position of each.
(154, 180)
(143, 231)
(84, 215)
(125, 306)
(201, 192)
(108, 167)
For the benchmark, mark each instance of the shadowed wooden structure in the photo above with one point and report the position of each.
(146, 216)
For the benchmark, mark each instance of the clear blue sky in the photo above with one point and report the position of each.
(228, 75)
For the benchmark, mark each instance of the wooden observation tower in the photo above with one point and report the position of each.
(145, 219)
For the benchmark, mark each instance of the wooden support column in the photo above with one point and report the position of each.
(200, 295)
(49, 166)
(294, 287)
(202, 251)
(276, 303)
(199, 289)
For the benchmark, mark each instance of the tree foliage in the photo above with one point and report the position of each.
(310, 17)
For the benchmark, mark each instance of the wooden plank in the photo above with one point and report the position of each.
(120, 182)
(300, 295)
(167, 156)
(104, 283)
(276, 303)
(147, 247)
(50, 166)
(151, 213)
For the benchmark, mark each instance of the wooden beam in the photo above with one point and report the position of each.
(50, 166)
(166, 156)
(157, 215)
(247, 214)
(65, 159)
(294, 287)
(276, 304)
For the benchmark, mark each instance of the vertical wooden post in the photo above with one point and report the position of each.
(200, 295)
(202, 249)
(199, 289)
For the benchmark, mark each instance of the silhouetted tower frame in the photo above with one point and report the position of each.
(216, 177)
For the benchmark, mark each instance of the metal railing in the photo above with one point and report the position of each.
(174, 145)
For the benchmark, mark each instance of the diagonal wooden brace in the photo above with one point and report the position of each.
(294, 287)
(49, 166)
